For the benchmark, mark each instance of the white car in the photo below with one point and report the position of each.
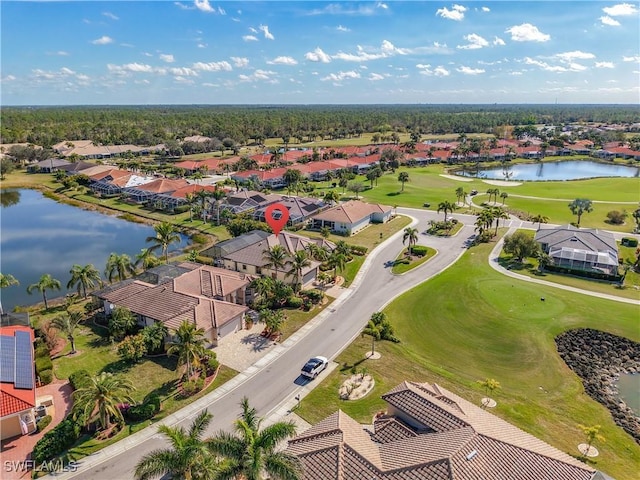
(314, 366)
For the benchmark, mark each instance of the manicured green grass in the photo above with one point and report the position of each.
(603, 189)
(297, 318)
(351, 269)
(471, 323)
(399, 267)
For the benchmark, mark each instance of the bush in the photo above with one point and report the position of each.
(629, 242)
(43, 363)
(46, 376)
(199, 238)
(314, 296)
(56, 441)
(294, 302)
(192, 386)
(132, 348)
(358, 250)
(419, 250)
(41, 349)
(80, 379)
(138, 413)
(212, 365)
(44, 422)
(616, 217)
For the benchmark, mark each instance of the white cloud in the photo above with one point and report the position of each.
(342, 28)
(250, 38)
(283, 61)
(475, 42)
(469, 70)
(544, 65)
(621, 10)
(202, 45)
(104, 40)
(204, 6)
(381, 5)
(607, 20)
(67, 71)
(213, 66)
(576, 54)
(183, 72)
(130, 67)
(240, 62)
(182, 6)
(631, 59)
(374, 77)
(515, 73)
(253, 30)
(349, 9)
(267, 34)
(456, 13)
(317, 56)
(387, 49)
(167, 58)
(498, 41)
(110, 15)
(527, 33)
(440, 71)
(486, 9)
(604, 65)
(338, 77)
(259, 75)
(576, 67)
(8, 78)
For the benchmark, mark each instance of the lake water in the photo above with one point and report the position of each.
(570, 170)
(629, 390)
(40, 235)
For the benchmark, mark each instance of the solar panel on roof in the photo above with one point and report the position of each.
(24, 361)
(7, 359)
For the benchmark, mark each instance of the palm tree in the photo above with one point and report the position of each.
(539, 219)
(504, 196)
(218, 195)
(189, 346)
(191, 200)
(580, 206)
(332, 197)
(146, 259)
(188, 456)
(250, 451)
(293, 177)
(460, 193)
(166, 234)
(299, 262)
(317, 252)
(99, 400)
(403, 177)
(46, 282)
(84, 277)
(498, 214)
(202, 195)
(275, 257)
(337, 261)
(445, 207)
(273, 320)
(119, 266)
(375, 332)
(410, 234)
(67, 324)
(7, 280)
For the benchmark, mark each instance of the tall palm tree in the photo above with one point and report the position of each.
(299, 262)
(67, 324)
(250, 451)
(580, 206)
(403, 177)
(275, 257)
(119, 267)
(498, 214)
(166, 234)
(146, 259)
(189, 346)
(504, 196)
(188, 456)
(218, 195)
(337, 261)
(202, 195)
(46, 282)
(332, 197)
(191, 200)
(539, 219)
(410, 235)
(445, 207)
(84, 277)
(375, 332)
(99, 400)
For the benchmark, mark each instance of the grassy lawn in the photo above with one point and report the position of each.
(603, 189)
(399, 267)
(297, 318)
(498, 328)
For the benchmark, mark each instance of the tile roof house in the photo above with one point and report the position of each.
(352, 216)
(87, 149)
(17, 381)
(148, 191)
(246, 254)
(577, 250)
(430, 433)
(213, 298)
(49, 165)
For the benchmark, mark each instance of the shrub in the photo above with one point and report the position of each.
(43, 363)
(294, 302)
(314, 296)
(154, 400)
(41, 349)
(616, 217)
(44, 422)
(212, 365)
(629, 242)
(80, 379)
(192, 386)
(46, 376)
(138, 413)
(132, 348)
(358, 250)
(199, 238)
(56, 441)
(419, 250)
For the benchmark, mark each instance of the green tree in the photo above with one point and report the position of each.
(498, 213)
(67, 324)
(7, 280)
(98, 402)
(591, 433)
(166, 234)
(411, 235)
(273, 320)
(299, 262)
(579, 207)
(218, 195)
(460, 193)
(292, 177)
(188, 344)
(146, 259)
(188, 457)
(132, 348)
(337, 261)
(379, 328)
(539, 219)
(375, 332)
(332, 197)
(504, 196)
(84, 277)
(355, 187)
(325, 232)
(446, 206)
(520, 245)
(372, 176)
(46, 282)
(120, 322)
(403, 177)
(154, 336)
(250, 451)
(118, 267)
(275, 257)
(636, 217)
(489, 385)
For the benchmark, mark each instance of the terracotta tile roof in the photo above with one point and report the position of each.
(162, 185)
(211, 282)
(351, 211)
(12, 399)
(475, 445)
(113, 173)
(191, 189)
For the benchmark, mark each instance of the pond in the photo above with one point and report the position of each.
(569, 170)
(40, 235)
(629, 390)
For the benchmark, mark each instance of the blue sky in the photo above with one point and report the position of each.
(271, 52)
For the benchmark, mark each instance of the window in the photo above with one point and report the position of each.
(244, 267)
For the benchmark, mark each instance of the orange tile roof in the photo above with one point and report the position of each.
(351, 211)
(162, 185)
(15, 400)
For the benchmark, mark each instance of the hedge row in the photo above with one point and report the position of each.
(56, 441)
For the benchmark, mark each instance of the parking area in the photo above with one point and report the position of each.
(243, 348)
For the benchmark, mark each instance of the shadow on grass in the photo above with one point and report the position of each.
(393, 194)
(119, 366)
(345, 367)
(164, 391)
(513, 264)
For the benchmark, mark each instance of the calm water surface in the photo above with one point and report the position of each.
(629, 390)
(570, 170)
(40, 235)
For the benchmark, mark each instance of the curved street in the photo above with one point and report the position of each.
(273, 382)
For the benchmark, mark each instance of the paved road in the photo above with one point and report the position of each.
(274, 380)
